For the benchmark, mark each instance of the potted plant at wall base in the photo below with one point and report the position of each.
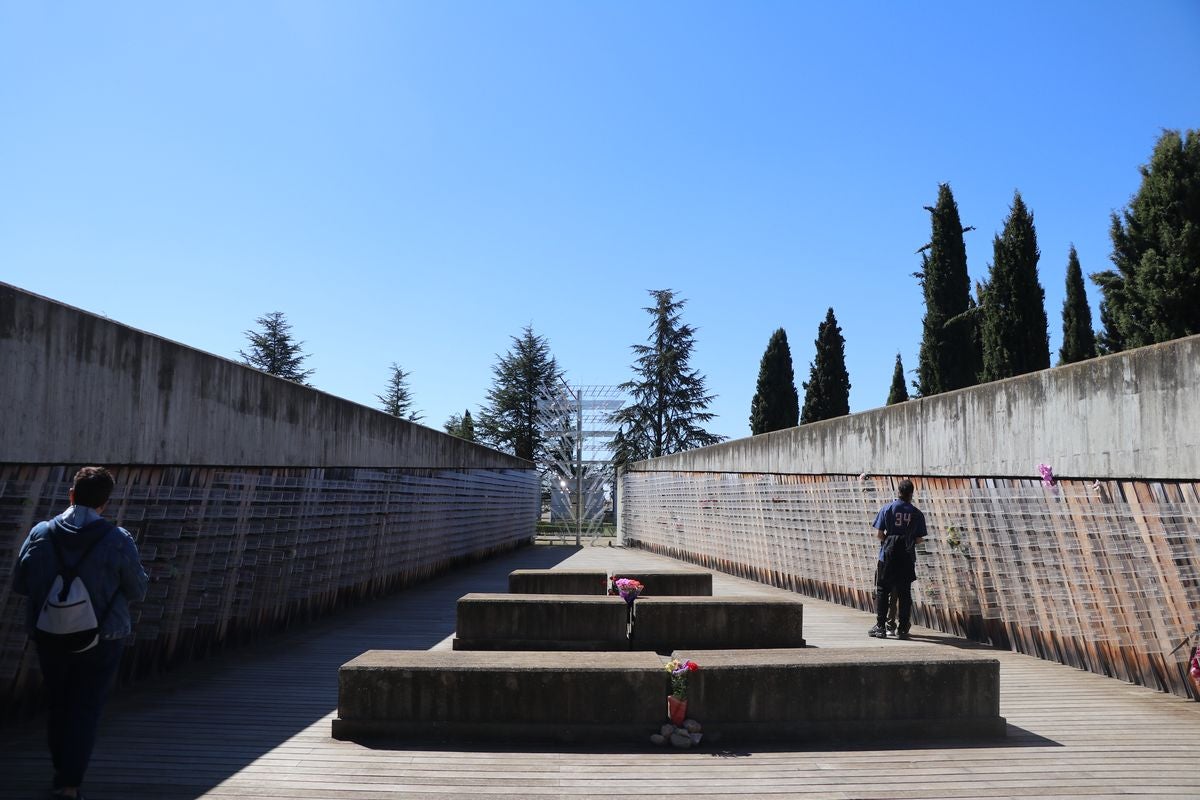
(677, 700)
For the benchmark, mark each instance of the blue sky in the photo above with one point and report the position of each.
(417, 182)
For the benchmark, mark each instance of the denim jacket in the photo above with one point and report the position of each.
(112, 569)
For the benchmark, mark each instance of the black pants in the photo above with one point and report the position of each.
(884, 591)
(77, 685)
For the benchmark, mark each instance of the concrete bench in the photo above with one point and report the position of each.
(831, 694)
(717, 623)
(541, 622)
(438, 694)
(676, 583)
(557, 581)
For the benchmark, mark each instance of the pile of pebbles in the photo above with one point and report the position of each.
(684, 736)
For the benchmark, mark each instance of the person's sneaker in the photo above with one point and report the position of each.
(877, 632)
(891, 626)
(903, 635)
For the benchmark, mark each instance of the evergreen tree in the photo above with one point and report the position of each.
(949, 357)
(520, 378)
(397, 399)
(668, 398)
(1079, 342)
(775, 405)
(461, 426)
(1154, 293)
(1013, 325)
(899, 392)
(274, 351)
(827, 392)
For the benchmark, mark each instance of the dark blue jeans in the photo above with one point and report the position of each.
(77, 686)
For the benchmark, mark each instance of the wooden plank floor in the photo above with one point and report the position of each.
(256, 725)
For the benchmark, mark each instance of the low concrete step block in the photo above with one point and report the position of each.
(557, 581)
(847, 694)
(541, 622)
(717, 623)
(506, 696)
(673, 583)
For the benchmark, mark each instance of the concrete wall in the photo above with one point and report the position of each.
(1130, 415)
(1009, 559)
(76, 388)
(256, 503)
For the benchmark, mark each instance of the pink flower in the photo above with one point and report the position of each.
(1047, 473)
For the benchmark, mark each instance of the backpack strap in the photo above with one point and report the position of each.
(72, 570)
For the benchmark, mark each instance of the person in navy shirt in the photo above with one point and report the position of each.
(899, 526)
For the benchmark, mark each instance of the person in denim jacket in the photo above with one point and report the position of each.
(78, 683)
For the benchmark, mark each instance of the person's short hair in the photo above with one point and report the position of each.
(905, 489)
(93, 486)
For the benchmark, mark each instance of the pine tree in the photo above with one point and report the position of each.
(775, 405)
(668, 398)
(899, 391)
(1079, 342)
(949, 357)
(827, 392)
(1013, 325)
(461, 426)
(520, 378)
(397, 399)
(1154, 293)
(274, 351)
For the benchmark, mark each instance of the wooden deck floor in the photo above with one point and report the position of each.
(257, 725)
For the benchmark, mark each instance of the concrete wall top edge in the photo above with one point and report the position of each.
(150, 400)
(1131, 414)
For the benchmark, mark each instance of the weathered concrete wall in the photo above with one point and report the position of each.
(165, 403)
(255, 502)
(1130, 415)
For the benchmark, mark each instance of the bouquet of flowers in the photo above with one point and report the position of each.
(629, 587)
(679, 676)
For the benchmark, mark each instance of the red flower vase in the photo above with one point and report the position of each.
(676, 710)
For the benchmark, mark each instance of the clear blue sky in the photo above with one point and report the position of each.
(415, 182)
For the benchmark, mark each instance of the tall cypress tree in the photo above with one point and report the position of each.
(899, 391)
(775, 405)
(1154, 293)
(949, 357)
(1013, 326)
(827, 392)
(1079, 342)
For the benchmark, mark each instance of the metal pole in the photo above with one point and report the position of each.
(579, 469)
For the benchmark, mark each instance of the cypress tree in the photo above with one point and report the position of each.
(1079, 342)
(461, 426)
(775, 405)
(949, 357)
(1154, 293)
(899, 392)
(1013, 326)
(827, 392)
